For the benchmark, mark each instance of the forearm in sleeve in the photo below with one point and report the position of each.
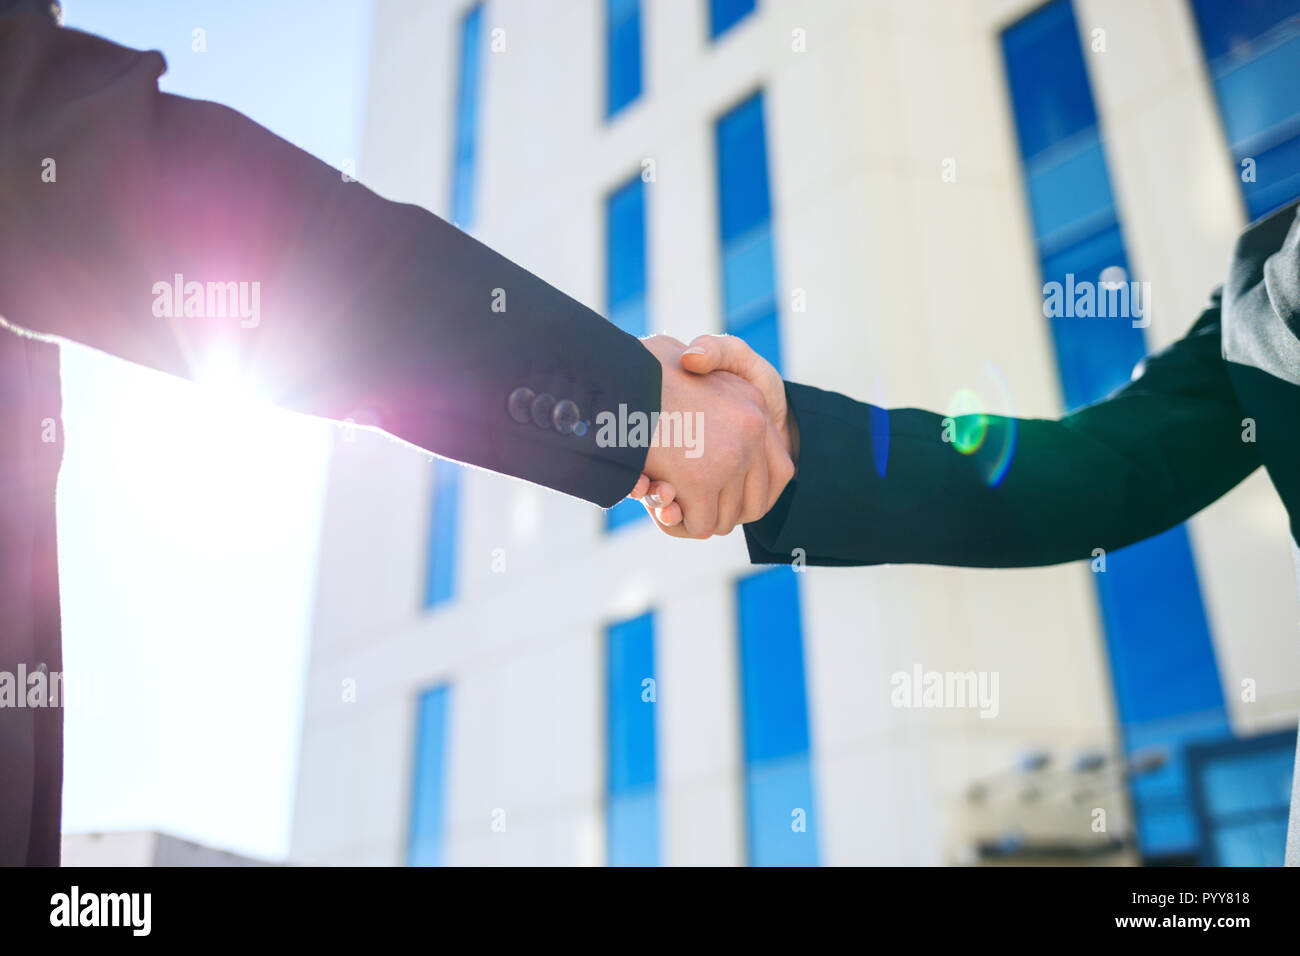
(331, 300)
(876, 486)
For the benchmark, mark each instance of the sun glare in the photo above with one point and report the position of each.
(188, 522)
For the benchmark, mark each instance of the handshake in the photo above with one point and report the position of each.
(747, 442)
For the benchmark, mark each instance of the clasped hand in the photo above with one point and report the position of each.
(742, 455)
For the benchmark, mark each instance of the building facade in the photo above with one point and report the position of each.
(876, 195)
(146, 848)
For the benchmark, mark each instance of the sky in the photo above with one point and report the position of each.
(189, 514)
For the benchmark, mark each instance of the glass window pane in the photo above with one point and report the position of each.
(440, 570)
(742, 169)
(1277, 178)
(1049, 83)
(1071, 194)
(748, 278)
(1234, 25)
(780, 800)
(428, 801)
(623, 54)
(1251, 844)
(724, 14)
(626, 249)
(1262, 95)
(774, 712)
(1253, 51)
(467, 95)
(626, 512)
(632, 829)
(745, 223)
(775, 707)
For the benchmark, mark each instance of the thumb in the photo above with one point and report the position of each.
(709, 353)
(729, 353)
(702, 356)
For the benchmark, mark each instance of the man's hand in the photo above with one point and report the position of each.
(726, 358)
(708, 353)
(738, 467)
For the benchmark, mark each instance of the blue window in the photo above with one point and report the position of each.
(1243, 794)
(467, 97)
(1252, 48)
(774, 711)
(429, 793)
(440, 569)
(632, 823)
(625, 279)
(745, 230)
(1166, 681)
(724, 14)
(625, 292)
(622, 53)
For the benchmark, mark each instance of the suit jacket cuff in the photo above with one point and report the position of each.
(843, 450)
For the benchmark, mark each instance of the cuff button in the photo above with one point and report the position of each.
(565, 416)
(543, 406)
(520, 404)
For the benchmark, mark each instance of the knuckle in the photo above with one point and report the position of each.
(786, 470)
(753, 423)
(752, 392)
(729, 455)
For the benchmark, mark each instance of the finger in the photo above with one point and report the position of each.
(677, 531)
(744, 502)
(660, 494)
(708, 353)
(659, 501)
(699, 519)
(754, 504)
(640, 488)
(730, 502)
(670, 516)
(729, 353)
(703, 355)
(669, 521)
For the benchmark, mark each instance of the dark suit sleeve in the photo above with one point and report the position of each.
(877, 486)
(366, 309)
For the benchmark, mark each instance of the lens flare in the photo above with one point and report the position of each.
(970, 424)
(974, 429)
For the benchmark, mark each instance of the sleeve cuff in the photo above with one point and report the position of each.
(843, 448)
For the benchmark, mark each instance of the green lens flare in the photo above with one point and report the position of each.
(970, 425)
